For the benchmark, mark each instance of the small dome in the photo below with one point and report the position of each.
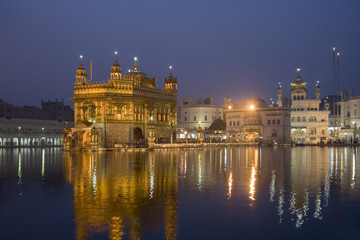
(298, 80)
(81, 67)
(116, 64)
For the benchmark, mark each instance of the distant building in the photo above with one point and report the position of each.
(194, 113)
(349, 117)
(309, 123)
(255, 122)
(33, 126)
(122, 110)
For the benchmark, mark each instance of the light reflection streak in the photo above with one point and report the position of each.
(272, 189)
(252, 183)
(327, 191)
(281, 204)
(317, 212)
(20, 174)
(152, 178)
(353, 171)
(230, 184)
(225, 158)
(199, 172)
(19, 169)
(43, 163)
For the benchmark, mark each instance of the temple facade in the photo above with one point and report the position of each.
(254, 122)
(125, 110)
(309, 123)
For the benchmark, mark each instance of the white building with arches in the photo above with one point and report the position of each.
(309, 123)
(30, 132)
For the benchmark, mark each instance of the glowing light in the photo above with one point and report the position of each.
(43, 163)
(170, 67)
(115, 52)
(298, 69)
(230, 183)
(81, 56)
(230, 107)
(252, 184)
(338, 54)
(135, 58)
(129, 70)
(334, 49)
(251, 107)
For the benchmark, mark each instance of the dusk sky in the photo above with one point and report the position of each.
(239, 49)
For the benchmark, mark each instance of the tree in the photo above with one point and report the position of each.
(218, 124)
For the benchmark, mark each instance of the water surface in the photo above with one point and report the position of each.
(216, 193)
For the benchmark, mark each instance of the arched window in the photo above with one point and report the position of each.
(293, 119)
(298, 97)
(294, 97)
(302, 97)
(298, 119)
(304, 119)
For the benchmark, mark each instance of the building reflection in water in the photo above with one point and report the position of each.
(123, 194)
(128, 195)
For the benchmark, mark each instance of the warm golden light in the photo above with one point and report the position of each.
(230, 107)
(252, 183)
(230, 183)
(135, 58)
(251, 107)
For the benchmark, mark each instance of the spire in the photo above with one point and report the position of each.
(170, 68)
(171, 82)
(81, 76)
(135, 63)
(298, 71)
(81, 66)
(115, 72)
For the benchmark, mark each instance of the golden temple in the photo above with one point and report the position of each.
(122, 111)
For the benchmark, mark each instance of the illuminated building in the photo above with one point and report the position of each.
(309, 124)
(119, 111)
(192, 112)
(255, 122)
(33, 126)
(349, 117)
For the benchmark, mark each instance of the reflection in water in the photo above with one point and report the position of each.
(123, 193)
(154, 195)
(126, 194)
(252, 183)
(230, 183)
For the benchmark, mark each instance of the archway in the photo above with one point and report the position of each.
(15, 142)
(138, 136)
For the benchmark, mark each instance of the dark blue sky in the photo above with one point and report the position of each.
(218, 48)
